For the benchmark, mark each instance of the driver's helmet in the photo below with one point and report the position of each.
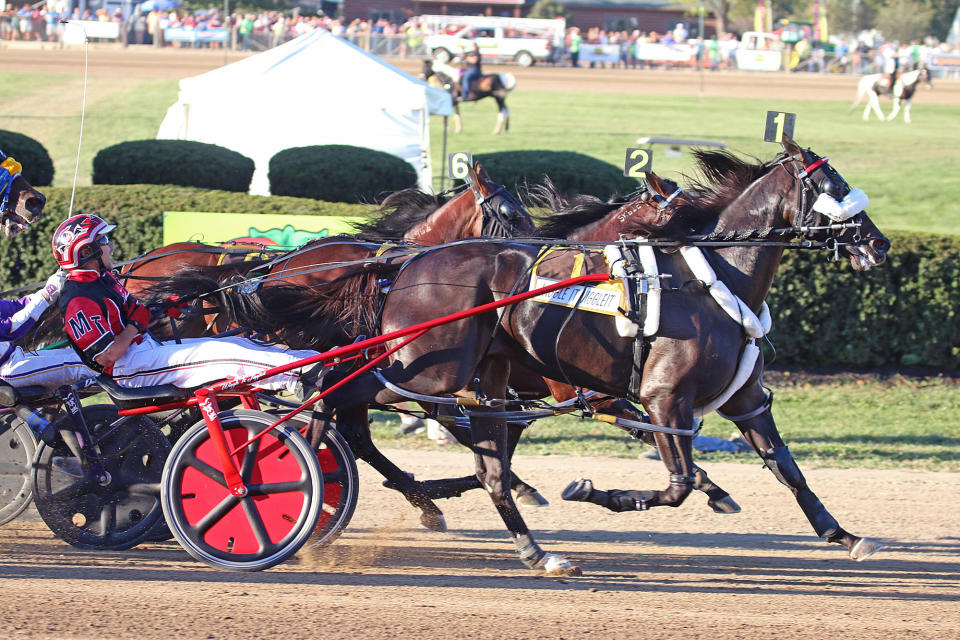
(76, 240)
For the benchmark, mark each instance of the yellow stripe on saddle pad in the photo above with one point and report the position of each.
(603, 297)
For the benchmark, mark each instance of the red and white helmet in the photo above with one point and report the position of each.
(75, 233)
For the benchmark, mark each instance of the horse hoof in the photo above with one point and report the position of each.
(724, 505)
(434, 522)
(864, 548)
(554, 565)
(578, 491)
(531, 499)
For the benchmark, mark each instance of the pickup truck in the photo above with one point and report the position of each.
(497, 44)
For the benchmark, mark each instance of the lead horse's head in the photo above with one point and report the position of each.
(829, 210)
(20, 204)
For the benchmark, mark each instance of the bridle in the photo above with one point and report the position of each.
(495, 207)
(809, 190)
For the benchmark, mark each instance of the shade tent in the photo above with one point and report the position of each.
(316, 89)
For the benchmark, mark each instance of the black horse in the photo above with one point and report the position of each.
(494, 85)
(700, 356)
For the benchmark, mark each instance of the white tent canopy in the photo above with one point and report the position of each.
(315, 89)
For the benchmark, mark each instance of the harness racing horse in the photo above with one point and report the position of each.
(876, 84)
(484, 208)
(704, 355)
(20, 204)
(493, 85)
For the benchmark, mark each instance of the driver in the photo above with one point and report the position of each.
(108, 327)
(49, 368)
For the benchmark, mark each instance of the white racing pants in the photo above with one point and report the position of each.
(50, 368)
(200, 361)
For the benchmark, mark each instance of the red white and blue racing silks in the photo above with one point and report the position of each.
(96, 308)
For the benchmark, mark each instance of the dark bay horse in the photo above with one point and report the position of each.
(416, 219)
(493, 85)
(20, 204)
(702, 353)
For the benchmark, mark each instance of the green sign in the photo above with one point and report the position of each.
(271, 230)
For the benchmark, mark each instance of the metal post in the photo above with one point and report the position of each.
(703, 48)
(226, 18)
(443, 158)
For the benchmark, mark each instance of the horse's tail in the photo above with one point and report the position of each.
(315, 316)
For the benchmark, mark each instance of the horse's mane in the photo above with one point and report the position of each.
(568, 214)
(398, 213)
(719, 178)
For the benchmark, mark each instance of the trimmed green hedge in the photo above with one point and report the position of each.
(138, 210)
(903, 313)
(570, 172)
(37, 165)
(177, 162)
(338, 173)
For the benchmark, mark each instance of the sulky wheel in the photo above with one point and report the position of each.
(341, 482)
(265, 527)
(17, 449)
(119, 513)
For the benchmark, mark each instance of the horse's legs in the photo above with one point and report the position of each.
(457, 123)
(677, 454)
(873, 103)
(492, 450)
(527, 495)
(354, 425)
(761, 432)
(906, 110)
(896, 109)
(503, 116)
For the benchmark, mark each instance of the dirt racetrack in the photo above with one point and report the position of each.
(665, 573)
(146, 62)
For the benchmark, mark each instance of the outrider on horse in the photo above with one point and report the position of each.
(494, 85)
(704, 354)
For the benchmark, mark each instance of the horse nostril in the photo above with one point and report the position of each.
(880, 245)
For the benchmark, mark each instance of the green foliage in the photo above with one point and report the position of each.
(138, 210)
(548, 9)
(903, 313)
(570, 172)
(37, 165)
(176, 162)
(338, 173)
(904, 20)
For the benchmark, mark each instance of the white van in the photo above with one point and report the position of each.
(510, 40)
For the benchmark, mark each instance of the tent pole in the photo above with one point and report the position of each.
(443, 159)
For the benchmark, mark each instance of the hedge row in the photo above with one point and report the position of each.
(903, 313)
(138, 209)
(570, 172)
(180, 162)
(37, 165)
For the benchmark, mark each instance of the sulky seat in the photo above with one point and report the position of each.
(134, 397)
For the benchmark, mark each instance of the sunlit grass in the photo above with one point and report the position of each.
(865, 422)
